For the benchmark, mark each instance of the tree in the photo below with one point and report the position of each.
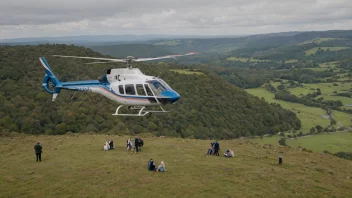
(282, 142)
(318, 92)
(281, 87)
(312, 130)
(319, 128)
(332, 121)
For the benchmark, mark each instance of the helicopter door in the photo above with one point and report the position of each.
(147, 89)
(151, 99)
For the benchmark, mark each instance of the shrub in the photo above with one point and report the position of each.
(344, 155)
(282, 142)
(327, 152)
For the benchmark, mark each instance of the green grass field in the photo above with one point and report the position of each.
(309, 116)
(292, 61)
(315, 49)
(327, 90)
(317, 68)
(187, 71)
(332, 64)
(232, 58)
(77, 166)
(332, 142)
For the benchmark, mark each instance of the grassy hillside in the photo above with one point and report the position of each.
(332, 142)
(309, 116)
(327, 91)
(77, 166)
(315, 49)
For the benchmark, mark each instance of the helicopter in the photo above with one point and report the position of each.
(126, 86)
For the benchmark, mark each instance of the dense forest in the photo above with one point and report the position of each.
(209, 107)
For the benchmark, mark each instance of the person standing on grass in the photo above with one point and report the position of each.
(38, 151)
(280, 159)
(136, 143)
(216, 148)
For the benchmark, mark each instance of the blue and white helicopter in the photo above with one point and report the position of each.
(126, 86)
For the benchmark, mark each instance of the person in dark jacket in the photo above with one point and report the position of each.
(38, 151)
(216, 148)
(136, 143)
(151, 165)
(141, 143)
(111, 143)
(280, 159)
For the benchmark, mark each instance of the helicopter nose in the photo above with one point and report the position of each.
(169, 96)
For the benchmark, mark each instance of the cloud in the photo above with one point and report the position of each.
(23, 18)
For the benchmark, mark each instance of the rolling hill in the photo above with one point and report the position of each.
(209, 106)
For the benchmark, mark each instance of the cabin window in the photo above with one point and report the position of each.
(140, 90)
(149, 92)
(121, 90)
(130, 89)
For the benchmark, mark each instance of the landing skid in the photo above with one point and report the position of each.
(142, 111)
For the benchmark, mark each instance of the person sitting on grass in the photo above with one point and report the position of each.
(229, 153)
(151, 165)
(161, 167)
(210, 149)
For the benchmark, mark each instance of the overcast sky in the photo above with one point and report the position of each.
(37, 18)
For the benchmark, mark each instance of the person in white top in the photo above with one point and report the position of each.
(161, 167)
(129, 144)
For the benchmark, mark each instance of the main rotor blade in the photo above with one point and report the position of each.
(163, 57)
(101, 62)
(93, 58)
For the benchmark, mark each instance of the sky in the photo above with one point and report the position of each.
(43, 18)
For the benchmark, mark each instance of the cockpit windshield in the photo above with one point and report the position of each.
(164, 83)
(157, 87)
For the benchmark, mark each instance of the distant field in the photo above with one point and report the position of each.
(309, 116)
(317, 68)
(315, 49)
(319, 40)
(332, 142)
(327, 90)
(344, 100)
(77, 166)
(332, 64)
(246, 59)
(186, 71)
(170, 43)
(292, 61)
